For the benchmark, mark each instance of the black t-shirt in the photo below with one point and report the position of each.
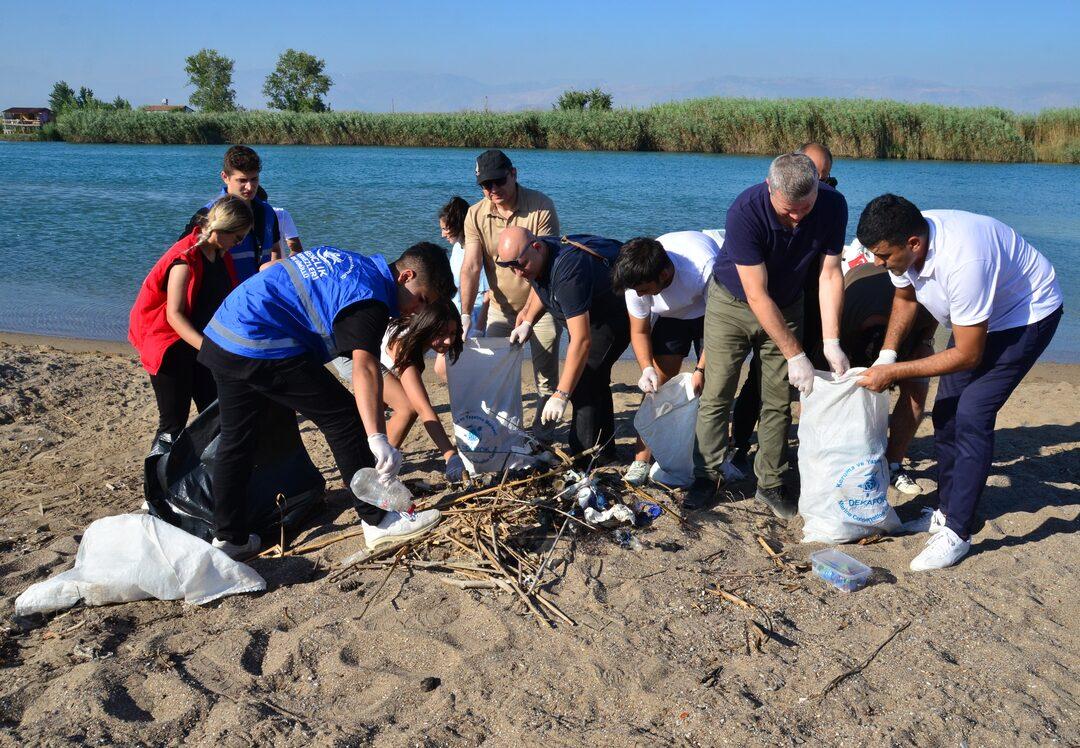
(575, 282)
(215, 286)
(360, 327)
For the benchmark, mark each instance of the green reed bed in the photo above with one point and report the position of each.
(852, 128)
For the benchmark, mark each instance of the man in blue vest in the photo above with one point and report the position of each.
(240, 174)
(271, 338)
(571, 279)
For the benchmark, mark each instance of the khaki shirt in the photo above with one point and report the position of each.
(535, 212)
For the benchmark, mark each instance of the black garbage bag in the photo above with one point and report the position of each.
(177, 480)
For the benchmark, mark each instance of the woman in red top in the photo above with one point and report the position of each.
(176, 302)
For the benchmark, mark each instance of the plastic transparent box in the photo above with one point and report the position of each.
(840, 570)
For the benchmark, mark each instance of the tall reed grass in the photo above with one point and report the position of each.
(851, 128)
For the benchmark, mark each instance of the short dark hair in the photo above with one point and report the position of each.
(453, 214)
(241, 158)
(432, 268)
(641, 260)
(891, 219)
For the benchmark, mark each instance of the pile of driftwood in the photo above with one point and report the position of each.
(503, 537)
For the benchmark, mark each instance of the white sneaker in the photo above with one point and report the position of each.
(731, 473)
(937, 521)
(637, 474)
(235, 550)
(902, 481)
(943, 549)
(399, 526)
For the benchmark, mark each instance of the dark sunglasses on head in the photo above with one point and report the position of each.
(831, 181)
(488, 184)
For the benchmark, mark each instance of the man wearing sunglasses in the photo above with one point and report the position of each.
(571, 279)
(507, 203)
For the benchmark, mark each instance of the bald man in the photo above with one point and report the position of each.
(571, 279)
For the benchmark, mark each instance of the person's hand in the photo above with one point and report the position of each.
(466, 323)
(649, 381)
(387, 458)
(554, 409)
(800, 373)
(877, 378)
(455, 468)
(884, 358)
(834, 354)
(521, 333)
(697, 382)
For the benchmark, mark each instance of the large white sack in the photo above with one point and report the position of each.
(665, 422)
(137, 557)
(843, 430)
(485, 401)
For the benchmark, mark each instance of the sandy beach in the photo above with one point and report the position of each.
(987, 652)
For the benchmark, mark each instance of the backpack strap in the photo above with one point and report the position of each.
(583, 248)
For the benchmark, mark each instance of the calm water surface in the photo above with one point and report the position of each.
(82, 224)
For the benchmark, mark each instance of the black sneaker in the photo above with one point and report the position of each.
(702, 494)
(782, 505)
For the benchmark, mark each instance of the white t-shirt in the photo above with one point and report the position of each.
(977, 269)
(693, 254)
(286, 227)
(457, 257)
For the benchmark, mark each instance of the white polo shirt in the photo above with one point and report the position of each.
(286, 226)
(693, 254)
(977, 269)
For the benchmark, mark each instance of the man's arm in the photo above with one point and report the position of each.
(901, 318)
(532, 310)
(295, 247)
(830, 296)
(367, 389)
(577, 351)
(641, 341)
(966, 353)
(754, 279)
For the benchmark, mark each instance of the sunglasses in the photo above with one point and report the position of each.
(488, 184)
(513, 264)
(831, 181)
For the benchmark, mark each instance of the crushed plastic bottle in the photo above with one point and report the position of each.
(626, 539)
(645, 512)
(391, 495)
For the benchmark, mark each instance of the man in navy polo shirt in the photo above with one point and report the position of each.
(776, 233)
(240, 175)
(571, 279)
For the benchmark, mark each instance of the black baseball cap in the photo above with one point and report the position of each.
(492, 164)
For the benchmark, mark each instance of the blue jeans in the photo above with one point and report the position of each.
(965, 412)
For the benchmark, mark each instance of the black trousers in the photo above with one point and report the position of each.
(594, 412)
(180, 380)
(304, 385)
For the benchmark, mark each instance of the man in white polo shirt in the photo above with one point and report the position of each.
(1003, 301)
(666, 281)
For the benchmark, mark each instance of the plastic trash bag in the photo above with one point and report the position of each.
(665, 422)
(139, 557)
(177, 486)
(845, 477)
(485, 401)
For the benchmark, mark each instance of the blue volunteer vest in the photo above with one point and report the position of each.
(249, 254)
(289, 309)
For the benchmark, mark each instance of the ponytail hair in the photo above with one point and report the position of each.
(230, 213)
(453, 214)
(412, 335)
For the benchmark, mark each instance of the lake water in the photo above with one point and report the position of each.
(82, 224)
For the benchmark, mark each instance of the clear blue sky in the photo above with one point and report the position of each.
(137, 49)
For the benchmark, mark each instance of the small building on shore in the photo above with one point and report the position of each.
(26, 118)
(178, 108)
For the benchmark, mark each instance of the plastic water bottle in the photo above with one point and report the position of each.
(391, 495)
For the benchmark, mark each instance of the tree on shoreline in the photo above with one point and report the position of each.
(573, 100)
(210, 72)
(64, 99)
(298, 83)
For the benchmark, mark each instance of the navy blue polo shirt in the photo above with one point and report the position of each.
(575, 282)
(754, 235)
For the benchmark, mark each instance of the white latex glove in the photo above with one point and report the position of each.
(649, 381)
(554, 409)
(834, 354)
(521, 333)
(455, 468)
(884, 358)
(466, 323)
(800, 372)
(387, 458)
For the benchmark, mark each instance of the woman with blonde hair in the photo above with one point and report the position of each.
(176, 301)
